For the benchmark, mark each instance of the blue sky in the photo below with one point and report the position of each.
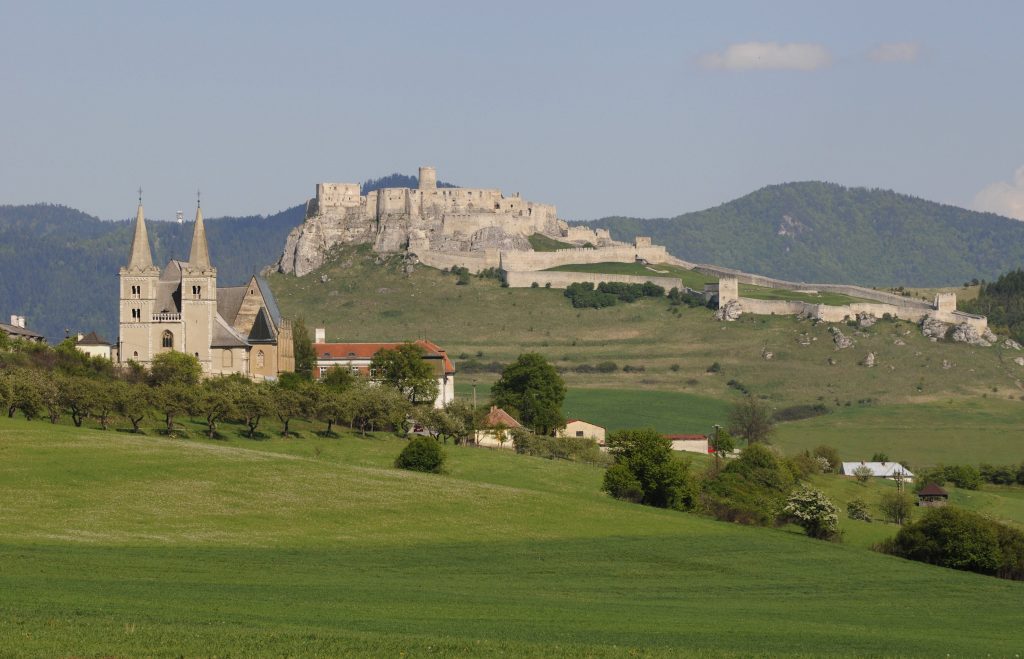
(643, 108)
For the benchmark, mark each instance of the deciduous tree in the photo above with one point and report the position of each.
(531, 390)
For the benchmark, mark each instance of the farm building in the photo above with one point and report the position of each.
(879, 469)
(581, 428)
(495, 429)
(690, 443)
(932, 496)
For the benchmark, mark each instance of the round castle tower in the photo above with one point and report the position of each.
(428, 178)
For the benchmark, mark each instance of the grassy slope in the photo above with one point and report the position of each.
(691, 278)
(112, 544)
(365, 302)
(763, 293)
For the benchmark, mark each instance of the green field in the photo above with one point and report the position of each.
(691, 278)
(112, 544)
(541, 243)
(823, 297)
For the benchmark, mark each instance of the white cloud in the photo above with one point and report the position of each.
(1003, 198)
(768, 55)
(906, 51)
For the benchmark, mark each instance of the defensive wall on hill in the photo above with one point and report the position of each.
(519, 261)
(562, 279)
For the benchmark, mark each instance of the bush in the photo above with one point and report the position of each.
(962, 540)
(896, 507)
(813, 511)
(664, 480)
(858, 509)
(863, 474)
(620, 482)
(751, 489)
(830, 455)
(714, 368)
(421, 454)
(577, 449)
(798, 412)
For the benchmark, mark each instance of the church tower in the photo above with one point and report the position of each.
(138, 284)
(199, 297)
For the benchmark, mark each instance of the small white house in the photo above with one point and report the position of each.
(93, 345)
(581, 428)
(879, 469)
(495, 429)
(689, 443)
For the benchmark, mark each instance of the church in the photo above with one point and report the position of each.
(235, 329)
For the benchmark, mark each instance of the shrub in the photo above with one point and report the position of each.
(803, 465)
(751, 489)
(714, 368)
(674, 368)
(421, 454)
(896, 507)
(830, 455)
(858, 509)
(813, 511)
(664, 480)
(863, 474)
(577, 449)
(620, 482)
(633, 369)
(534, 285)
(963, 476)
(607, 367)
(798, 412)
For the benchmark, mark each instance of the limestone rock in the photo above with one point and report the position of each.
(1019, 361)
(324, 279)
(730, 312)
(899, 342)
(964, 333)
(831, 362)
(869, 360)
(865, 320)
(989, 335)
(946, 364)
(1010, 344)
(804, 340)
(841, 340)
(934, 328)
(767, 354)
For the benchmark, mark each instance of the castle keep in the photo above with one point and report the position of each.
(229, 329)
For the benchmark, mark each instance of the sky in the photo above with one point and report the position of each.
(647, 109)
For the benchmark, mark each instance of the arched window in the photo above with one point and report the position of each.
(135, 354)
(168, 339)
(260, 359)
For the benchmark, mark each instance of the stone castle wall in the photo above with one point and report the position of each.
(562, 279)
(527, 261)
(839, 313)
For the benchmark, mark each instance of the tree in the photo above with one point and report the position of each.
(337, 378)
(531, 390)
(469, 417)
(405, 370)
(863, 474)
(253, 402)
(620, 482)
(664, 479)
(78, 396)
(831, 455)
(721, 443)
(441, 423)
(131, 401)
(288, 404)
(422, 454)
(175, 368)
(858, 509)
(751, 420)
(172, 400)
(332, 407)
(812, 510)
(216, 402)
(897, 507)
(26, 394)
(302, 345)
(751, 489)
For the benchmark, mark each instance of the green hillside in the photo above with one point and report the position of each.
(827, 233)
(112, 544)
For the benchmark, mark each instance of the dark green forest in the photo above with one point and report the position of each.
(827, 233)
(1003, 302)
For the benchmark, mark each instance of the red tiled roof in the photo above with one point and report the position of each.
(932, 490)
(368, 350)
(499, 417)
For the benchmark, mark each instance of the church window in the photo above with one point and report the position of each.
(136, 314)
(168, 339)
(259, 359)
(136, 291)
(226, 358)
(135, 354)
(197, 292)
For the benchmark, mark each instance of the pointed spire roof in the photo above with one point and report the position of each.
(140, 258)
(199, 257)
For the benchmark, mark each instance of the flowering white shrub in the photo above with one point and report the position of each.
(811, 509)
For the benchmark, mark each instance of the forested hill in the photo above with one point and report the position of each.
(58, 266)
(822, 232)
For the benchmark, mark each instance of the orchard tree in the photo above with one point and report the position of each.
(751, 420)
(173, 400)
(253, 402)
(338, 378)
(532, 390)
(405, 370)
(216, 402)
(176, 368)
(442, 424)
(131, 401)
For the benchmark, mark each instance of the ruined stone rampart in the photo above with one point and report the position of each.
(527, 261)
(562, 279)
(475, 262)
(839, 313)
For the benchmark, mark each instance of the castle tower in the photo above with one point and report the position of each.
(138, 290)
(428, 178)
(198, 297)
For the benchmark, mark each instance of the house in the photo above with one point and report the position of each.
(879, 470)
(93, 345)
(17, 330)
(690, 443)
(932, 496)
(581, 428)
(496, 427)
(357, 357)
(228, 330)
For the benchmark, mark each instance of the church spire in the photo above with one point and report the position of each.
(140, 257)
(200, 254)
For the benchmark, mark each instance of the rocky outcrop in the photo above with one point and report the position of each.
(841, 340)
(1019, 361)
(933, 328)
(869, 360)
(730, 312)
(1010, 344)
(964, 333)
(865, 320)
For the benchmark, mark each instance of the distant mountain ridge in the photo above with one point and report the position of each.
(824, 232)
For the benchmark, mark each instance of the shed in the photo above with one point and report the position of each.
(932, 496)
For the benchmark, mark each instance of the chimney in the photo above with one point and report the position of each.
(21, 322)
(80, 336)
(14, 320)
(321, 335)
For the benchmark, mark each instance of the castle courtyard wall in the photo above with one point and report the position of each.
(562, 279)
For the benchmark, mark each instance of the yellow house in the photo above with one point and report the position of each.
(495, 429)
(581, 428)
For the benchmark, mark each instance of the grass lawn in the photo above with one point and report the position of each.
(949, 431)
(120, 545)
(541, 243)
(691, 278)
(822, 297)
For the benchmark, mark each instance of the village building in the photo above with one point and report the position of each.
(357, 357)
(690, 443)
(581, 428)
(496, 427)
(891, 470)
(17, 330)
(932, 496)
(93, 345)
(236, 329)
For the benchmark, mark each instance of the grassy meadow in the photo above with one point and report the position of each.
(115, 544)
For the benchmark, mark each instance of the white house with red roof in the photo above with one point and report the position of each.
(357, 357)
